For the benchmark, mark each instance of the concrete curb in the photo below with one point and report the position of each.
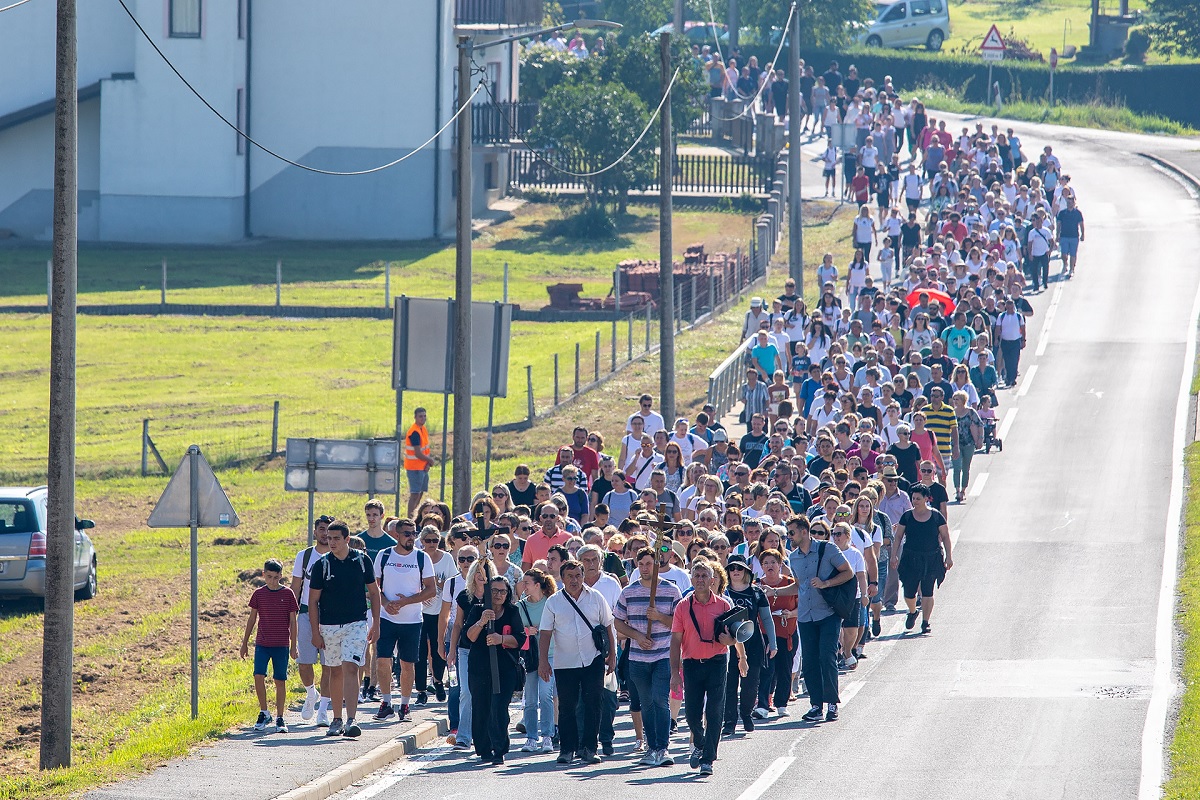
(338, 779)
(1195, 182)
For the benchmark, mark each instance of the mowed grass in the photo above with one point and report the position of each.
(336, 274)
(131, 699)
(1184, 783)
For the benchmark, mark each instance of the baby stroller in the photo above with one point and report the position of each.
(990, 439)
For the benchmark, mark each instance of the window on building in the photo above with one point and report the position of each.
(185, 18)
(241, 121)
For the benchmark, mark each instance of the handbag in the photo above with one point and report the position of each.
(599, 632)
(841, 598)
(528, 654)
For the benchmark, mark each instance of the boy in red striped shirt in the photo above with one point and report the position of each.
(274, 609)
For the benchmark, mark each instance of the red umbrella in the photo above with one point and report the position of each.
(937, 295)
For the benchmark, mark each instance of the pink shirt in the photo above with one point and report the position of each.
(538, 545)
(706, 614)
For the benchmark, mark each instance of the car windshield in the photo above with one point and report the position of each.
(17, 516)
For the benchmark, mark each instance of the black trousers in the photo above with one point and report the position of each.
(574, 685)
(606, 714)
(704, 700)
(429, 633)
(489, 716)
(783, 669)
(741, 706)
(818, 658)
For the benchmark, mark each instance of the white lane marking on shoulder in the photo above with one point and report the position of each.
(1027, 380)
(977, 487)
(1164, 686)
(1044, 337)
(954, 534)
(1007, 422)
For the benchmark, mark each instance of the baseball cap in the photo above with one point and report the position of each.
(756, 302)
(720, 436)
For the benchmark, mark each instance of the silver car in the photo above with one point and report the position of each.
(902, 23)
(23, 518)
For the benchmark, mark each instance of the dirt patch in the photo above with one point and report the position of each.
(229, 541)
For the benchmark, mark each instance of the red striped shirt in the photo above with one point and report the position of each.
(275, 609)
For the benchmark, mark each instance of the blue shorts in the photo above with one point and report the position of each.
(393, 637)
(418, 481)
(1068, 247)
(278, 656)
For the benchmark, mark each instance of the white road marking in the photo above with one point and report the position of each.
(977, 487)
(1067, 520)
(1027, 380)
(1044, 337)
(393, 776)
(954, 534)
(1096, 394)
(1164, 686)
(764, 782)
(1007, 422)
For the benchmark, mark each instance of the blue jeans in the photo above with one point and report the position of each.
(653, 682)
(464, 700)
(539, 706)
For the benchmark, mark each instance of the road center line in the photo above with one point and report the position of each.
(977, 487)
(1025, 383)
(1007, 423)
(767, 779)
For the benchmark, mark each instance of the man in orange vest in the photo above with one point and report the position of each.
(417, 460)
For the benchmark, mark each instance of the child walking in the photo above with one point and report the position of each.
(274, 609)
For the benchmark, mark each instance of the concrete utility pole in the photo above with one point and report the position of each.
(678, 17)
(462, 291)
(735, 24)
(666, 267)
(795, 221)
(58, 628)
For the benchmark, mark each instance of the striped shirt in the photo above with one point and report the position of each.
(275, 608)
(943, 424)
(631, 609)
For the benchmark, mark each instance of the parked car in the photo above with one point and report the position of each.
(23, 518)
(902, 23)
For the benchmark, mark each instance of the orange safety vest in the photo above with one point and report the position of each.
(411, 462)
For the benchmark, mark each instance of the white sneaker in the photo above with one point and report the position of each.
(664, 759)
(547, 744)
(322, 718)
(310, 703)
(532, 745)
(782, 711)
(264, 720)
(760, 713)
(650, 759)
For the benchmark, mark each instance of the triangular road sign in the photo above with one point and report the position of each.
(174, 507)
(993, 41)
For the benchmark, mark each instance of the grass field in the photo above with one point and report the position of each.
(1041, 23)
(131, 690)
(353, 274)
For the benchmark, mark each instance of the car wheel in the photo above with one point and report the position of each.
(92, 586)
(874, 41)
(934, 42)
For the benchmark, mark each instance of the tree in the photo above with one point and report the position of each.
(1175, 27)
(584, 127)
(638, 16)
(823, 23)
(635, 65)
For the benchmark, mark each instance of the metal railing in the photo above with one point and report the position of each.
(501, 123)
(498, 12)
(725, 382)
(702, 174)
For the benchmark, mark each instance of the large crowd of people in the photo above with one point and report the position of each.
(725, 571)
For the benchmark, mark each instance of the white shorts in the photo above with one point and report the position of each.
(345, 643)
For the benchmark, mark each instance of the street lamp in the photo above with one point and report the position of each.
(462, 268)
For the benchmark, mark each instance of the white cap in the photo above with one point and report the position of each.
(756, 302)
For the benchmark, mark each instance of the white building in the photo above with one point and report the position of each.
(341, 86)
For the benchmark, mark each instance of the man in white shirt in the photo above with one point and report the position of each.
(568, 619)
(306, 559)
(1038, 245)
(652, 421)
(406, 579)
(556, 42)
(592, 558)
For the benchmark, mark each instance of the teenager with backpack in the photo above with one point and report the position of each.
(314, 700)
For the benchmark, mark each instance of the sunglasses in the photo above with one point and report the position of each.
(432, 541)
(549, 516)
(500, 546)
(501, 495)
(926, 472)
(592, 439)
(466, 559)
(525, 528)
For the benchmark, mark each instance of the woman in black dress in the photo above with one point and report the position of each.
(923, 563)
(496, 632)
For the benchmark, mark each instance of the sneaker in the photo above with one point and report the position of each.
(311, 698)
(694, 759)
(461, 746)
(422, 698)
(439, 691)
(910, 619)
(374, 695)
(812, 715)
(674, 725)
(706, 769)
(403, 715)
(650, 759)
(352, 730)
(366, 688)
(564, 758)
(832, 714)
(783, 712)
(385, 712)
(264, 719)
(664, 759)
(876, 627)
(335, 728)
(925, 627)
(606, 748)
(532, 745)
(727, 730)
(322, 718)
(759, 713)
(590, 757)
(280, 726)
(498, 761)
(547, 745)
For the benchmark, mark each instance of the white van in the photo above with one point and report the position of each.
(902, 23)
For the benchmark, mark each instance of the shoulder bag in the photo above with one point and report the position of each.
(841, 598)
(599, 632)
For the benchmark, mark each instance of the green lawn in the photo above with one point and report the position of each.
(1184, 783)
(1041, 23)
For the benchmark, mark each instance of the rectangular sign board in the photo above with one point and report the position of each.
(423, 346)
(358, 466)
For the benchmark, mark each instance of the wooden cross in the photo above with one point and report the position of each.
(659, 523)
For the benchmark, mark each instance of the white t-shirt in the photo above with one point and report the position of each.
(912, 186)
(1010, 326)
(450, 592)
(400, 576)
(653, 422)
(608, 586)
(857, 563)
(864, 229)
(299, 571)
(442, 570)
(870, 158)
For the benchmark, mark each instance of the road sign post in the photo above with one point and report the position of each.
(992, 50)
(194, 499)
(1053, 67)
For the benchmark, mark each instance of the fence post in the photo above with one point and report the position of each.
(577, 368)
(529, 390)
(556, 380)
(597, 356)
(387, 284)
(278, 281)
(49, 286)
(505, 281)
(630, 343)
(648, 326)
(145, 446)
(164, 281)
(712, 292)
(614, 345)
(617, 290)
(275, 429)
(694, 300)
(678, 289)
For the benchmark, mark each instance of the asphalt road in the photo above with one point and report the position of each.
(1037, 679)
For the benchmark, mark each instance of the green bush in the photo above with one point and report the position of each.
(591, 222)
(1137, 46)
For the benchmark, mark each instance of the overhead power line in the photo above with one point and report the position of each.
(268, 150)
(14, 5)
(774, 62)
